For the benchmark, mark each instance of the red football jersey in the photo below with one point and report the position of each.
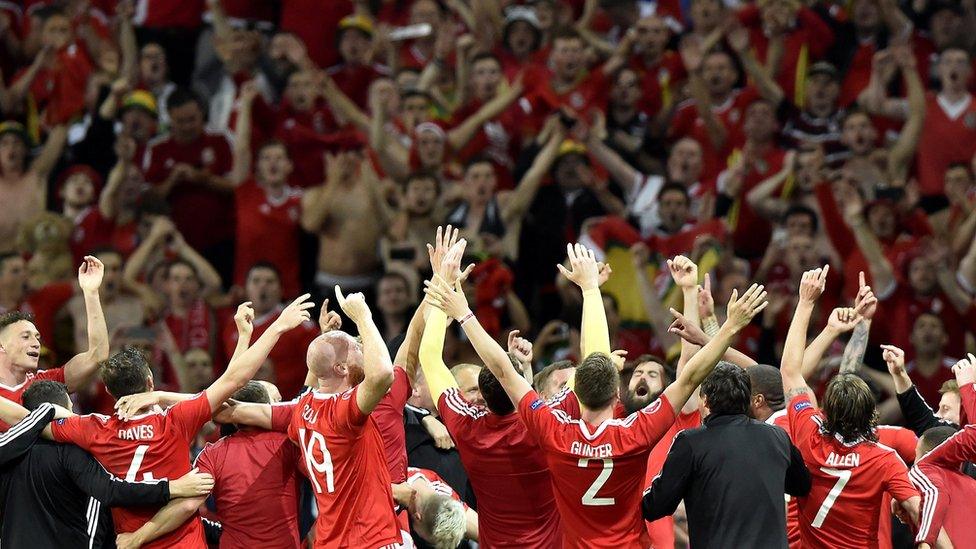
(343, 451)
(731, 113)
(434, 482)
(947, 494)
(948, 136)
(16, 393)
(253, 511)
(509, 476)
(598, 473)
(389, 420)
(148, 447)
(849, 480)
(267, 230)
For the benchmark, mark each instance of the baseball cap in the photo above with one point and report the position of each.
(570, 146)
(18, 129)
(357, 22)
(140, 99)
(823, 67)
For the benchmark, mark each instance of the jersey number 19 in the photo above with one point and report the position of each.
(323, 467)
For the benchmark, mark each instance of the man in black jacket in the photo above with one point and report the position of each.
(732, 472)
(53, 492)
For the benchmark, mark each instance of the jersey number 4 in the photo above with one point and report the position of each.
(133, 472)
(843, 477)
(589, 498)
(323, 467)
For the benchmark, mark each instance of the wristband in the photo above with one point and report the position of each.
(465, 318)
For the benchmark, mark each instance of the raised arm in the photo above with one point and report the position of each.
(880, 268)
(53, 147)
(740, 313)
(841, 320)
(621, 172)
(865, 305)
(393, 156)
(761, 198)
(438, 377)
(903, 151)
(687, 331)
(80, 370)
(128, 46)
(461, 134)
(812, 284)
(209, 277)
(377, 366)
(521, 198)
(874, 97)
(692, 54)
(241, 168)
(585, 273)
(738, 38)
(656, 313)
(345, 107)
(243, 368)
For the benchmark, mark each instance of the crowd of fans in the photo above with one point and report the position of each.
(208, 153)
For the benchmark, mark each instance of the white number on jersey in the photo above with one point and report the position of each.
(325, 467)
(589, 498)
(843, 477)
(130, 475)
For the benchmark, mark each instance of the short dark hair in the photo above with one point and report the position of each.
(478, 159)
(727, 389)
(267, 265)
(566, 33)
(544, 374)
(179, 261)
(850, 409)
(125, 372)
(596, 381)
(422, 176)
(767, 381)
(800, 209)
(39, 392)
(496, 399)
(936, 436)
(183, 96)
(6, 319)
(253, 391)
(273, 142)
(485, 55)
(677, 188)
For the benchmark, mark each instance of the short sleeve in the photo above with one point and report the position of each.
(654, 420)
(190, 415)
(281, 414)
(538, 417)
(456, 412)
(803, 416)
(346, 415)
(53, 374)
(896, 482)
(73, 430)
(205, 461)
(566, 401)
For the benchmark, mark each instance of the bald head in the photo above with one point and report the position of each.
(334, 354)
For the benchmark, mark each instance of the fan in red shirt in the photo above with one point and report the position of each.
(189, 166)
(850, 470)
(599, 508)
(20, 343)
(267, 209)
(661, 70)
(947, 493)
(262, 288)
(354, 73)
(155, 444)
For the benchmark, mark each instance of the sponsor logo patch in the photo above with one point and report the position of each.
(536, 404)
(802, 406)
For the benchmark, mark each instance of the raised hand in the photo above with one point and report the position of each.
(687, 330)
(450, 267)
(131, 405)
(294, 314)
(895, 359)
(706, 304)
(585, 271)
(192, 484)
(328, 320)
(520, 347)
(244, 318)
(354, 305)
(742, 309)
(683, 271)
(90, 273)
(443, 240)
(619, 359)
(812, 284)
(866, 304)
(843, 319)
(448, 299)
(965, 370)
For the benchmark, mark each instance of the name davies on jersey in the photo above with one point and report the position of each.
(847, 460)
(585, 450)
(138, 432)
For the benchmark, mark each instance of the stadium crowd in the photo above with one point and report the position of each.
(385, 273)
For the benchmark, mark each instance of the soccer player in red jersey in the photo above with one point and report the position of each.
(20, 343)
(850, 469)
(437, 513)
(947, 494)
(600, 507)
(156, 444)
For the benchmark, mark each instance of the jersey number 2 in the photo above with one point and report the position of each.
(324, 467)
(843, 477)
(130, 475)
(589, 498)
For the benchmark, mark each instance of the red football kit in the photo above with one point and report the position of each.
(508, 473)
(947, 494)
(343, 452)
(267, 230)
(849, 480)
(434, 482)
(253, 511)
(148, 447)
(598, 473)
(389, 420)
(16, 393)
(287, 357)
(731, 113)
(948, 136)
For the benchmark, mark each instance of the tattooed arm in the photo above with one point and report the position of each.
(866, 304)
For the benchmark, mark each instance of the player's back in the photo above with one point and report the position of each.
(598, 471)
(147, 447)
(344, 455)
(508, 473)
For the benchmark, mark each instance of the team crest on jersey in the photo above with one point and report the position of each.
(207, 156)
(802, 405)
(536, 404)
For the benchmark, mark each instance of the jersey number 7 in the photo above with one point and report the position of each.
(843, 477)
(589, 498)
(323, 467)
